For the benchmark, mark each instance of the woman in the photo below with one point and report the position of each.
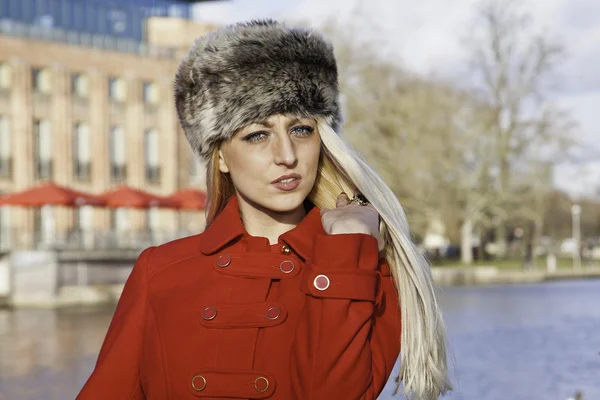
(292, 291)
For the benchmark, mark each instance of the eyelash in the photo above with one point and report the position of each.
(257, 136)
(307, 130)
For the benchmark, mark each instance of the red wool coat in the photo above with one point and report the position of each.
(224, 315)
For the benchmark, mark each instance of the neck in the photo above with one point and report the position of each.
(261, 222)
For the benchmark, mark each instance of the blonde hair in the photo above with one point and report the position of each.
(423, 370)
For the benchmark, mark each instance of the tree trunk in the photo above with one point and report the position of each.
(537, 236)
(466, 242)
(482, 243)
(501, 242)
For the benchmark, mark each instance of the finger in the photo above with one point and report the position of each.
(342, 200)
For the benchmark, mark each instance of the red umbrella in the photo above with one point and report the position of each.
(189, 199)
(128, 197)
(50, 194)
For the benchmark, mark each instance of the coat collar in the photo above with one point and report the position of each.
(228, 227)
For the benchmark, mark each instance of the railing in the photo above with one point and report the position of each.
(102, 42)
(5, 93)
(152, 174)
(83, 170)
(118, 173)
(43, 169)
(6, 167)
(15, 239)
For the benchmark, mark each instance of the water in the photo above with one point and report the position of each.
(525, 342)
(522, 342)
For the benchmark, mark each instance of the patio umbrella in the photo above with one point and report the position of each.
(189, 199)
(128, 197)
(50, 194)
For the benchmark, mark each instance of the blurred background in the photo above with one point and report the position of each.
(481, 115)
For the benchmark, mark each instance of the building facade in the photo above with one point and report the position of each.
(123, 19)
(92, 111)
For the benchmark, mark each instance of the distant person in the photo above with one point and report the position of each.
(292, 291)
(528, 256)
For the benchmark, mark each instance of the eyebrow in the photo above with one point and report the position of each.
(266, 123)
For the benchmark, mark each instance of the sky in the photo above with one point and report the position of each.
(426, 37)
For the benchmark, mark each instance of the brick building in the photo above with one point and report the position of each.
(92, 110)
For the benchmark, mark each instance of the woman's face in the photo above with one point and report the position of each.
(273, 164)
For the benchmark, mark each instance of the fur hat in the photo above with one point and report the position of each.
(246, 72)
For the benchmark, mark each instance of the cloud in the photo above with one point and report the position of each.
(426, 37)
(582, 177)
(227, 12)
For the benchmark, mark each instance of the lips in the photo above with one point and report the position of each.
(287, 178)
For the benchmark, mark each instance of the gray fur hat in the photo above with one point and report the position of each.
(246, 72)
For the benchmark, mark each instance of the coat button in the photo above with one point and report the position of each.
(198, 383)
(223, 260)
(321, 282)
(273, 313)
(261, 384)
(286, 266)
(285, 249)
(209, 313)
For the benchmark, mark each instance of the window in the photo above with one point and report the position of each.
(116, 148)
(45, 225)
(5, 76)
(119, 219)
(153, 219)
(151, 153)
(194, 167)
(150, 93)
(5, 148)
(84, 226)
(116, 89)
(79, 85)
(176, 11)
(40, 80)
(6, 234)
(42, 149)
(196, 170)
(81, 152)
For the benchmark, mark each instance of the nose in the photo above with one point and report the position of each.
(285, 152)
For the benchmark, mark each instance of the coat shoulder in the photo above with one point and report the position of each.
(173, 252)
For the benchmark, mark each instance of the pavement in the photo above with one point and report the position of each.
(490, 275)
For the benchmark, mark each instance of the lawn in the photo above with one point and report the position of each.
(561, 262)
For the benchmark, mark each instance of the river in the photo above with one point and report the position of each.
(518, 342)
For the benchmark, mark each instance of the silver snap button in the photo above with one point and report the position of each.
(223, 261)
(286, 266)
(321, 282)
(209, 313)
(273, 313)
(202, 383)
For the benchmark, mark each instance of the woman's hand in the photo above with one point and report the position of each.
(351, 218)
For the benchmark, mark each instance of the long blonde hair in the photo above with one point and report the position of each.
(423, 370)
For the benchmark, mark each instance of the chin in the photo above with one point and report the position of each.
(285, 202)
(281, 202)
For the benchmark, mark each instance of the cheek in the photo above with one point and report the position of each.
(311, 158)
(243, 164)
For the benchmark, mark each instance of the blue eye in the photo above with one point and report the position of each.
(255, 137)
(303, 130)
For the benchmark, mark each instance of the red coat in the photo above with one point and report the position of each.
(226, 315)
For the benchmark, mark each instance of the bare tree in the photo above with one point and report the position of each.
(512, 64)
(430, 144)
(465, 156)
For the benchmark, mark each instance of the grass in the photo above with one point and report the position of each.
(561, 262)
